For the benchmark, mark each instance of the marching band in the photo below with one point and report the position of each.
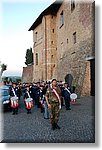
(34, 95)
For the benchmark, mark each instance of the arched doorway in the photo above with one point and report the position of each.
(69, 79)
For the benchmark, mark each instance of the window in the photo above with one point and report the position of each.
(67, 41)
(36, 36)
(72, 5)
(53, 30)
(74, 37)
(61, 19)
(36, 58)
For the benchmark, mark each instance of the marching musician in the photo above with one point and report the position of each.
(14, 98)
(28, 100)
(66, 94)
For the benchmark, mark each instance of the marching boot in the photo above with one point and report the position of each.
(13, 113)
(16, 111)
(29, 111)
(53, 126)
(56, 126)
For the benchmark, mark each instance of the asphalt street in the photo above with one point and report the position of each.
(77, 125)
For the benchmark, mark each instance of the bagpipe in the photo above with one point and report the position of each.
(29, 103)
(14, 102)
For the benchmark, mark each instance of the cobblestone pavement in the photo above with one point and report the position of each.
(77, 125)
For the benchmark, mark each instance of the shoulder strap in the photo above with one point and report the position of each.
(67, 90)
(57, 95)
(13, 91)
(28, 94)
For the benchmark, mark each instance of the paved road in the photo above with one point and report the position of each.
(77, 125)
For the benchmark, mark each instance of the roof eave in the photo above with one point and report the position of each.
(52, 9)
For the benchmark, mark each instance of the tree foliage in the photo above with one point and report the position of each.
(3, 67)
(12, 79)
(29, 57)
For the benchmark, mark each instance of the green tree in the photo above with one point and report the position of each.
(5, 79)
(3, 67)
(18, 80)
(29, 57)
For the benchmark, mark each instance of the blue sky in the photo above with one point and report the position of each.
(17, 17)
(21, 14)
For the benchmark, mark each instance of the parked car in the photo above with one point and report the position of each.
(5, 97)
(9, 86)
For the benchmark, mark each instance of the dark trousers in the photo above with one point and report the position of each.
(37, 102)
(67, 102)
(42, 108)
(28, 111)
(15, 110)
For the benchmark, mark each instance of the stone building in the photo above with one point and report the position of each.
(27, 74)
(64, 49)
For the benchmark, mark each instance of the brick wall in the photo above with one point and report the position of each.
(38, 48)
(86, 87)
(27, 74)
(72, 56)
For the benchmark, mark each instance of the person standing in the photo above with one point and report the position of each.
(66, 95)
(54, 103)
(14, 98)
(19, 91)
(28, 100)
(37, 95)
(41, 97)
(44, 109)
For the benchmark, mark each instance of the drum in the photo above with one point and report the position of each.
(29, 103)
(28, 99)
(14, 102)
(73, 96)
